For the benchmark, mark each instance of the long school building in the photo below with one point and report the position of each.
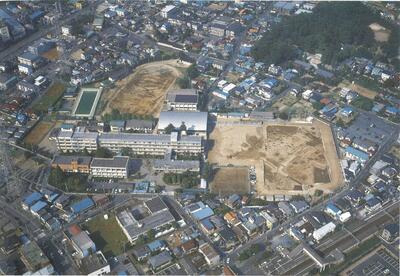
(140, 144)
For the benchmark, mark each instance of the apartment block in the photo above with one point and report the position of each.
(151, 144)
(117, 167)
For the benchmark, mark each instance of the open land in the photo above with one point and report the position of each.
(293, 158)
(107, 235)
(52, 54)
(368, 93)
(230, 180)
(143, 92)
(381, 34)
(39, 131)
(51, 96)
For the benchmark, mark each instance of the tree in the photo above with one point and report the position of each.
(192, 71)
(183, 82)
(183, 127)
(126, 152)
(170, 128)
(340, 123)
(318, 192)
(317, 105)
(283, 115)
(56, 176)
(103, 153)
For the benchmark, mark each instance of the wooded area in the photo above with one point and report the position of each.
(337, 30)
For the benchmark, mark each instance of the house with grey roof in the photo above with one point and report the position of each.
(161, 260)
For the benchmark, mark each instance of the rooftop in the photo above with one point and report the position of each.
(115, 162)
(155, 205)
(194, 121)
(81, 160)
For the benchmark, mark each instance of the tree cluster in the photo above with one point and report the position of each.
(117, 115)
(186, 179)
(67, 182)
(337, 30)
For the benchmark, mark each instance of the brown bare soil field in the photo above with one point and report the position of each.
(229, 180)
(36, 135)
(289, 159)
(143, 92)
(381, 34)
(370, 94)
(52, 54)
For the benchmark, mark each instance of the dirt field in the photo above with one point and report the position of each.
(395, 150)
(381, 34)
(370, 94)
(52, 54)
(229, 180)
(288, 159)
(143, 92)
(36, 135)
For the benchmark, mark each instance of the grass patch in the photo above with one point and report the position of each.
(39, 131)
(107, 235)
(52, 95)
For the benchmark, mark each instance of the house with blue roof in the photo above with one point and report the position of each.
(356, 154)
(82, 206)
(378, 107)
(207, 225)
(346, 111)
(332, 210)
(247, 83)
(392, 111)
(199, 210)
(373, 204)
(31, 200)
(156, 246)
(40, 205)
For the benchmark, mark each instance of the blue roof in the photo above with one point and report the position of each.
(358, 153)
(32, 198)
(155, 245)
(333, 208)
(141, 187)
(38, 206)
(207, 224)
(53, 197)
(347, 109)
(392, 109)
(82, 205)
(373, 201)
(203, 213)
(36, 15)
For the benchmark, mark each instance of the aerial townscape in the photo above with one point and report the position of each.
(196, 137)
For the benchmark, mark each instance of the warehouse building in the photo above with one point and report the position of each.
(116, 167)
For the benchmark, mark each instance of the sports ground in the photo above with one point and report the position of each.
(288, 158)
